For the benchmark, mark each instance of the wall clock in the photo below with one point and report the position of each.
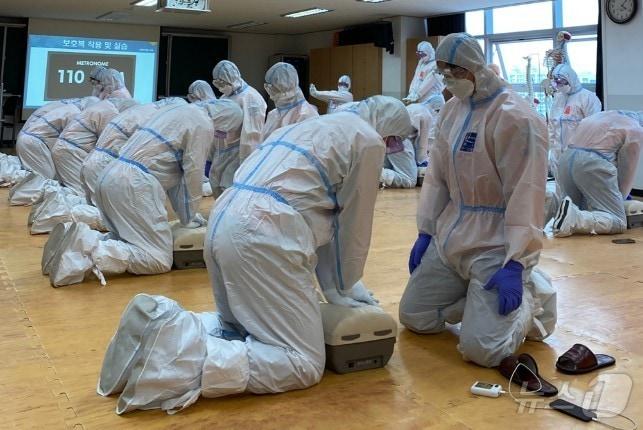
(621, 11)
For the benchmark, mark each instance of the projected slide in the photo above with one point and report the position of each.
(58, 67)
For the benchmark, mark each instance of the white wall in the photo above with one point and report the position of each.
(623, 69)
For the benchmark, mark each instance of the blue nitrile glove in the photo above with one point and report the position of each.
(421, 245)
(508, 281)
(208, 165)
(629, 197)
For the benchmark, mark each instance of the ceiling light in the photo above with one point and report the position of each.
(147, 3)
(246, 25)
(306, 12)
(372, 1)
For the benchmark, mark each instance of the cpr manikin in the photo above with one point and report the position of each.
(115, 136)
(596, 173)
(40, 132)
(427, 82)
(301, 208)
(227, 79)
(480, 216)
(334, 98)
(166, 156)
(79, 138)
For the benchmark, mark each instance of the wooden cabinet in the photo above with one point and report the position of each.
(363, 63)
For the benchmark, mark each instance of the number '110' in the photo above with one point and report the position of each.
(73, 76)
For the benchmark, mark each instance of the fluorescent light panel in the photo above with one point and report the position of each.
(372, 1)
(246, 25)
(146, 3)
(306, 12)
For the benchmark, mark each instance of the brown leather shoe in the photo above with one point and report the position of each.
(580, 359)
(528, 378)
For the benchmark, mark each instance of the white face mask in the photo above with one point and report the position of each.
(565, 89)
(461, 88)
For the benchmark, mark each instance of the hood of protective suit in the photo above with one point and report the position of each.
(635, 115)
(86, 102)
(282, 85)
(178, 101)
(122, 104)
(112, 80)
(97, 72)
(346, 80)
(229, 73)
(566, 72)
(420, 118)
(387, 115)
(226, 115)
(200, 91)
(426, 48)
(461, 49)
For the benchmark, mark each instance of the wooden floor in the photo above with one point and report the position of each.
(52, 343)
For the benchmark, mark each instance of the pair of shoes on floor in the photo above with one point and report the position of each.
(523, 370)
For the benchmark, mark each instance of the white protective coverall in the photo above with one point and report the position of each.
(334, 98)
(282, 85)
(167, 155)
(40, 132)
(567, 111)
(481, 202)
(115, 136)
(79, 138)
(227, 78)
(301, 208)
(427, 82)
(113, 85)
(200, 91)
(597, 172)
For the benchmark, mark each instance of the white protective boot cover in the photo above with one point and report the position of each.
(139, 318)
(29, 190)
(55, 209)
(73, 260)
(10, 169)
(167, 375)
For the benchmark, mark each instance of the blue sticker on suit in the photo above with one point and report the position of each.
(469, 142)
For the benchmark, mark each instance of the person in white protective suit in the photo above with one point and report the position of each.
(597, 172)
(337, 98)
(401, 161)
(227, 79)
(282, 85)
(113, 85)
(301, 208)
(40, 132)
(480, 216)
(427, 82)
(200, 91)
(115, 136)
(95, 76)
(571, 104)
(79, 138)
(166, 156)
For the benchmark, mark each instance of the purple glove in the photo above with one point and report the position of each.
(421, 245)
(508, 281)
(208, 166)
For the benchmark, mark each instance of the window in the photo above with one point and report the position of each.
(532, 16)
(510, 56)
(580, 12)
(474, 22)
(513, 32)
